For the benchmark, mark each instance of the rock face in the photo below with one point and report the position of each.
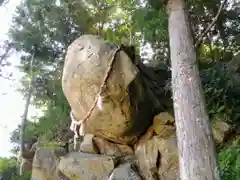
(45, 164)
(124, 109)
(83, 166)
(158, 157)
(154, 157)
(162, 125)
(112, 149)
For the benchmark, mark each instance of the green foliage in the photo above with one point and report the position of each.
(230, 162)
(25, 176)
(56, 116)
(48, 126)
(8, 167)
(221, 84)
(6, 163)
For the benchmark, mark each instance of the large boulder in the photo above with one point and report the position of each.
(124, 109)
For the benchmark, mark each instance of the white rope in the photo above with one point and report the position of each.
(74, 124)
(74, 120)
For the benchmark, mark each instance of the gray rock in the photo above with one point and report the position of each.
(44, 165)
(88, 145)
(85, 166)
(125, 171)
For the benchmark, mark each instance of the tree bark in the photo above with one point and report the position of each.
(25, 113)
(24, 119)
(197, 155)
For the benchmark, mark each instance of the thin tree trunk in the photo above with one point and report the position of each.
(25, 113)
(211, 48)
(197, 156)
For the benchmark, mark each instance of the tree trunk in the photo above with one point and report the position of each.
(24, 119)
(197, 155)
(25, 113)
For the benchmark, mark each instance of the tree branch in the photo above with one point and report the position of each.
(5, 54)
(210, 25)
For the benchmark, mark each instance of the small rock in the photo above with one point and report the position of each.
(77, 143)
(45, 165)
(162, 125)
(88, 145)
(106, 148)
(111, 149)
(85, 166)
(220, 130)
(125, 171)
(163, 118)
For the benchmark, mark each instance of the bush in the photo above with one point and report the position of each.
(230, 162)
(221, 85)
(25, 176)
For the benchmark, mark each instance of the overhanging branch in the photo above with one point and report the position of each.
(210, 25)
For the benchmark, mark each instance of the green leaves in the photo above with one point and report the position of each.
(152, 23)
(230, 162)
(221, 87)
(9, 168)
(6, 163)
